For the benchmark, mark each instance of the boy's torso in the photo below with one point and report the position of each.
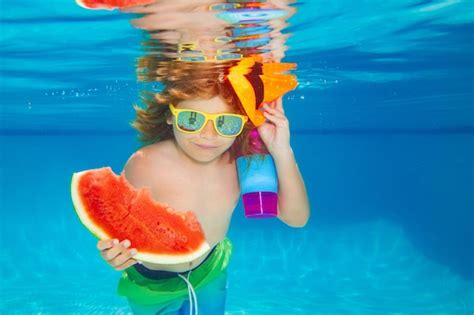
(211, 194)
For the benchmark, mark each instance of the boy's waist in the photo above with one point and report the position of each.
(163, 274)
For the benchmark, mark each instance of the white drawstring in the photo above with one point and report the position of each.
(191, 294)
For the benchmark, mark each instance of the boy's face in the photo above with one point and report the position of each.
(206, 145)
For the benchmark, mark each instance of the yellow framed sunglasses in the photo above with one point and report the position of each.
(193, 121)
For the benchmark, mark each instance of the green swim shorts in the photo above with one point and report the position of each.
(142, 290)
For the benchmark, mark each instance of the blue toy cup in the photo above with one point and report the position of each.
(258, 185)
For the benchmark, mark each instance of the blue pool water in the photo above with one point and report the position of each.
(382, 127)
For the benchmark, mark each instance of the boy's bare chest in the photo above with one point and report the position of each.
(212, 196)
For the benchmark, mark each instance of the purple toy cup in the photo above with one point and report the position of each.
(260, 204)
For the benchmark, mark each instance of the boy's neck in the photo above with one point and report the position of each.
(185, 158)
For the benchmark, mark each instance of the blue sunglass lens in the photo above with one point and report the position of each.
(229, 125)
(190, 120)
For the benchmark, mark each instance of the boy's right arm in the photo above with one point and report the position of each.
(116, 254)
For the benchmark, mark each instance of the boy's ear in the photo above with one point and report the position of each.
(169, 120)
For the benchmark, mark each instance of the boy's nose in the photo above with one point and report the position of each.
(209, 131)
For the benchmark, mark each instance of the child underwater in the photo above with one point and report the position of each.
(192, 131)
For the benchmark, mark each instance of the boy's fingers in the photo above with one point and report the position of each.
(115, 251)
(279, 105)
(106, 244)
(123, 257)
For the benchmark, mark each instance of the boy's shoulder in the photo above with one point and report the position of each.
(162, 149)
(147, 160)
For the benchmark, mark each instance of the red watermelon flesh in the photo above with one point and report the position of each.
(111, 208)
(111, 4)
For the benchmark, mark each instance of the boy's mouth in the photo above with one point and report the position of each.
(205, 146)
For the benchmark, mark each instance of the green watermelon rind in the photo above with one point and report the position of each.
(81, 213)
(153, 258)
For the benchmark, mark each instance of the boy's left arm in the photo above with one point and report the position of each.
(293, 201)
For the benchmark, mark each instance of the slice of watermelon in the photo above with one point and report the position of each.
(111, 4)
(110, 208)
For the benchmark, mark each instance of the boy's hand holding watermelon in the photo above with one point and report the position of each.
(117, 254)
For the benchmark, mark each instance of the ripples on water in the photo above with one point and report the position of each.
(61, 59)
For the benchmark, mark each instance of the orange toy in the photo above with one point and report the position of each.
(275, 84)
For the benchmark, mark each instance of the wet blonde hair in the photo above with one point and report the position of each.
(184, 81)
